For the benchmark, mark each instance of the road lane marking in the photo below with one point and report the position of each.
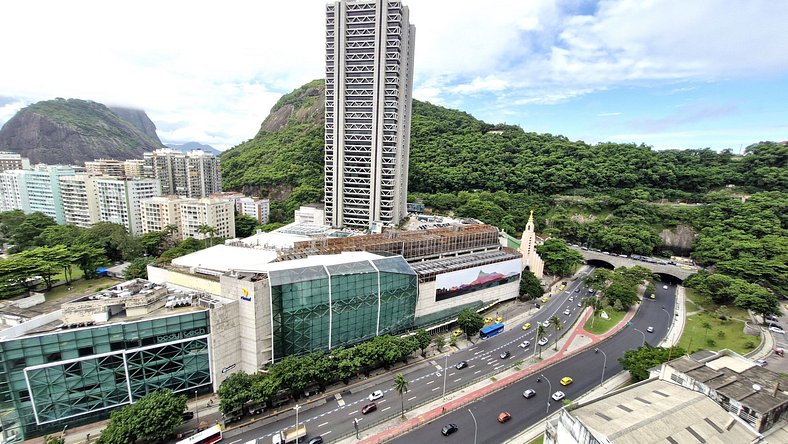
(386, 409)
(411, 399)
(321, 425)
(436, 388)
(351, 413)
(477, 371)
(458, 379)
(326, 433)
(451, 374)
(237, 440)
(472, 348)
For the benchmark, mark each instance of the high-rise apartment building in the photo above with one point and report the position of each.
(193, 174)
(369, 78)
(215, 213)
(157, 213)
(106, 167)
(119, 200)
(133, 168)
(10, 195)
(79, 200)
(39, 190)
(13, 161)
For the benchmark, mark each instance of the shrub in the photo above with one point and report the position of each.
(711, 342)
(749, 344)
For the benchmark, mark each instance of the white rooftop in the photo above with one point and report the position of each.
(274, 240)
(324, 259)
(223, 258)
(731, 362)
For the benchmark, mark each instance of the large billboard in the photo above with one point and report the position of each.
(458, 283)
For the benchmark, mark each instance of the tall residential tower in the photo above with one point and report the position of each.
(369, 78)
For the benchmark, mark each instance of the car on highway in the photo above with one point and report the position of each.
(542, 342)
(664, 287)
(457, 332)
(316, 440)
(369, 408)
(546, 324)
(545, 299)
(590, 290)
(529, 393)
(505, 354)
(526, 326)
(377, 394)
(650, 329)
(577, 290)
(566, 312)
(487, 320)
(566, 380)
(504, 416)
(498, 319)
(461, 365)
(579, 304)
(571, 299)
(559, 395)
(761, 363)
(525, 344)
(652, 296)
(536, 304)
(776, 329)
(449, 429)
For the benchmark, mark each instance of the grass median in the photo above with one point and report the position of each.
(705, 330)
(602, 325)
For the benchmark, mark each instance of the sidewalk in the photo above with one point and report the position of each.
(575, 339)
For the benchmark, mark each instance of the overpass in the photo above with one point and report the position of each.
(670, 272)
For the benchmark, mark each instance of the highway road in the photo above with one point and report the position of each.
(586, 369)
(334, 418)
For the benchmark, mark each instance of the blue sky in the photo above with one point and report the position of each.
(669, 74)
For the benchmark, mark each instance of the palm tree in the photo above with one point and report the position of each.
(555, 321)
(595, 303)
(541, 332)
(209, 230)
(401, 387)
(707, 327)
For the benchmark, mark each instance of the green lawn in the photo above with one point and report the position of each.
(539, 440)
(690, 306)
(603, 325)
(698, 301)
(79, 287)
(695, 337)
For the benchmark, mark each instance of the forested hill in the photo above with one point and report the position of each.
(451, 151)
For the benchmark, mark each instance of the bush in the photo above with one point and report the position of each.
(749, 344)
(711, 342)
(721, 334)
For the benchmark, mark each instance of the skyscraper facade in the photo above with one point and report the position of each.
(369, 78)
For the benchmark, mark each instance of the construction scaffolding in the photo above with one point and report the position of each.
(412, 245)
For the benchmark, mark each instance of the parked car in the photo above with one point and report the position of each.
(542, 342)
(461, 365)
(369, 408)
(456, 332)
(504, 416)
(377, 394)
(188, 416)
(449, 429)
(525, 344)
(559, 395)
(529, 393)
(505, 354)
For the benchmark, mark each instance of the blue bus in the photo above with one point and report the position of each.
(489, 332)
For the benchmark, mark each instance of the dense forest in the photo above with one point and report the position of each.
(616, 197)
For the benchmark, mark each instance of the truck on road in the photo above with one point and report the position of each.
(290, 436)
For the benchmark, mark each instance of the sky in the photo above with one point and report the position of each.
(668, 74)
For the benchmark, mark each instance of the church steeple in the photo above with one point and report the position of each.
(528, 248)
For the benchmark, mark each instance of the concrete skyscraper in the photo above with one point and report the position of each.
(369, 78)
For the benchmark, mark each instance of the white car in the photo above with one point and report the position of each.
(546, 324)
(650, 329)
(559, 395)
(525, 344)
(377, 394)
(664, 287)
(571, 299)
(566, 312)
(579, 304)
(776, 329)
(543, 341)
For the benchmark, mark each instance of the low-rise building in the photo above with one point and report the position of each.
(159, 213)
(311, 215)
(650, 411)
(258, 209)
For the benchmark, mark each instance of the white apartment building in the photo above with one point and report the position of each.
(39, 190)
(79, 200)
(216, 213)
(105, 167)
(309, 215)
(369, 79)
(132, 168)
(258, 209)
(119, 200)
(13, 161)
(10, 195)
(157, 213)
(193, 174)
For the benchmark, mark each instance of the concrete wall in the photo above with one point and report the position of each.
(254, 319)
(225, 343)
(163, 275)
(426, 303)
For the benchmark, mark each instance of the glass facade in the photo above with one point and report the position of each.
(52, 380)
(323, 307)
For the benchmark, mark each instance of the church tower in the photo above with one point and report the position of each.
(531, 259)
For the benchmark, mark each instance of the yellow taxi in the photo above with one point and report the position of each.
(652, 296)
(499, 319)
(566, 380)
(457, 332)
(526, 326)
(545, 299)
(487, 320)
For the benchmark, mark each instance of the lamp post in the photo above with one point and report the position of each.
(550, 387)
(604, 364)
(355, 426)
(196, 409)
(63, 433)
(644, 335)
(445, 370)
(297, 408)
(475, 426)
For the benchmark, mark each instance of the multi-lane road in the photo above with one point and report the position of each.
(585, 368)
(333, 418)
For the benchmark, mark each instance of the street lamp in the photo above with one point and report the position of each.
(550, 387)
(604, 364)
(445, 370)
(297, 408)
(196, 409)
(63, 433)
(355, 426)
(475, 426)
(644, 335)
